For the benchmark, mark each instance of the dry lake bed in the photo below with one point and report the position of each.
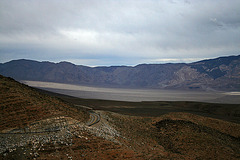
(136, 95)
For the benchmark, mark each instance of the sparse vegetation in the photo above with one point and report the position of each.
(200, 142)
(34, 124)
(21, 105)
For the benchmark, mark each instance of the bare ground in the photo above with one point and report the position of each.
(36, 125)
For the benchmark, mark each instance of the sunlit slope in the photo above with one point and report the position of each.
(21, 105)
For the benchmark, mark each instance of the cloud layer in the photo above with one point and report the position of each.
(110, 32)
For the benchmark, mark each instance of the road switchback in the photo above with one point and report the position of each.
(94, 118)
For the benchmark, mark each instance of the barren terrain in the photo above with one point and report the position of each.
(137, 95)
(43, 125)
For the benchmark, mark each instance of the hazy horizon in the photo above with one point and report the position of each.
(116, 65)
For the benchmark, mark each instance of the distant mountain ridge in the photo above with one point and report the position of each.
(222, 73)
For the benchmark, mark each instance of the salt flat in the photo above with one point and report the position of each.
(136, 95)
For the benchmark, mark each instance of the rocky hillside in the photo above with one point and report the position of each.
(179, 136)
(22, 105)
(219, 74)
(38, 126)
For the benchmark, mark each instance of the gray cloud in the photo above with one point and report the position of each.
(118, 32)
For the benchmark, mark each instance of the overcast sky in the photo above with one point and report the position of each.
(118, 32)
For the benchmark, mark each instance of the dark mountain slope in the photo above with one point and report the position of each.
(218, 67)
(22, 105)
(220, 74)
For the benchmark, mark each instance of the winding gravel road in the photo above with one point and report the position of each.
(94, 118)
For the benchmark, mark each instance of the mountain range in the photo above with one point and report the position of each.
(221, 73)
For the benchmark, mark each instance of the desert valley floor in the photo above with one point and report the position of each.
(137, 95)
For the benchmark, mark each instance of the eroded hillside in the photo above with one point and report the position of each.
(38, 126)
(21, 105)
(179, 136)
